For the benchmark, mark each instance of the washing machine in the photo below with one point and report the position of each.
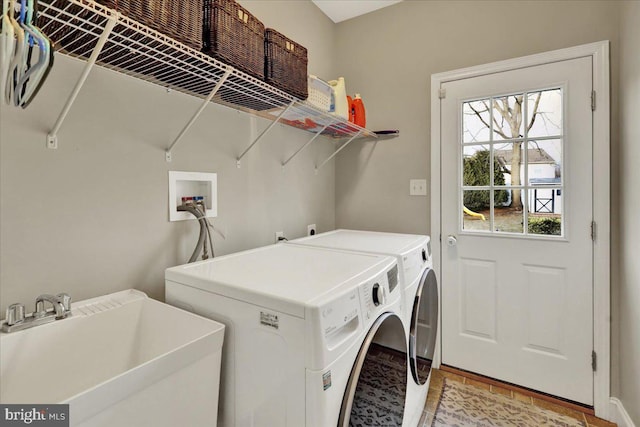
(419, 306)
(301, 324)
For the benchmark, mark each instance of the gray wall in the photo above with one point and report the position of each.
(628, 176)
(92, 217)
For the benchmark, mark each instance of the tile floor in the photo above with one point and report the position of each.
(435, 388)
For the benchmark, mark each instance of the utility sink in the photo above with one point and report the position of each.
(120, 360)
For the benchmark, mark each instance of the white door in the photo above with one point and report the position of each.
(517, 281)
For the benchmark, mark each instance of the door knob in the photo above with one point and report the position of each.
(452, 241)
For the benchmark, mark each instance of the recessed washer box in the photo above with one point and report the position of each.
(192, 184)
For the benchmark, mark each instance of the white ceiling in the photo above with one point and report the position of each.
(341, 10)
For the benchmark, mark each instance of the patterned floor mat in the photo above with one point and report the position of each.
(381, 390)
(464, 405)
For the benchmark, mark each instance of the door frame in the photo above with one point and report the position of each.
(599, 52)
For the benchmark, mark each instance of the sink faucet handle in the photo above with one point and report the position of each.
(65, 299)
(15, 314)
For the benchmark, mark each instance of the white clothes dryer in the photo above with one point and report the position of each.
(420, 301)
(300, 326)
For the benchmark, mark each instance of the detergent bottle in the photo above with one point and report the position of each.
(342, 108)
(350, 105)
(359, 116)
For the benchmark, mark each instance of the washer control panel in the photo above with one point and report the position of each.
(375, 295)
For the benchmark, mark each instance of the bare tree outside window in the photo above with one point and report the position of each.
(507, 124)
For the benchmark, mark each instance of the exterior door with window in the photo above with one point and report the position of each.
(517, 279)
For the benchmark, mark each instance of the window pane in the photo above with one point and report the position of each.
(545, 216)
(505, 156)
(544, 111)
(476, 165)
(476, 210)
(545, 201)
(475, 121)
(507, 219)
(507, 117)
(545, 162)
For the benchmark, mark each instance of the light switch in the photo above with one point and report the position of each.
(417, 187)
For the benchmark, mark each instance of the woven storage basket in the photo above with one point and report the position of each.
(286, 64)
(65, 36)
(178, 19)
(121, 6)
(234, 36)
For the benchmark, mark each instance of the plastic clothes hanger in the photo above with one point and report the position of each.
(7, 45)
(25, 64)
(45, 73)
(31, 82)
(19, 55)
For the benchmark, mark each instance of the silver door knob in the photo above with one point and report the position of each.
(452, 241)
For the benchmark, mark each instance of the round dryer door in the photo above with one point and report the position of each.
(424, 327)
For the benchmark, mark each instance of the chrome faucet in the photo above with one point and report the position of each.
(61, 305)
(16, 320)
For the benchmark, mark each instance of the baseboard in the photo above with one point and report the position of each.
(619, 415)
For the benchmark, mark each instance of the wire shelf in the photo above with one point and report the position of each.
(76, 26)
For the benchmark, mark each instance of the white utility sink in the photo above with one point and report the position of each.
(120, 360)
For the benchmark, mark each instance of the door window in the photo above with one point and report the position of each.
(512, 160)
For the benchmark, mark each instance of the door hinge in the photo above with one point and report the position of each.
(593, 100)
(593, 230)
(594, 361)
(442, 93)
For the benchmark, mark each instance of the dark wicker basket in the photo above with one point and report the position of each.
(286, 64)
(178, 19)
(121, 6)
(62, 35)
(234, 36)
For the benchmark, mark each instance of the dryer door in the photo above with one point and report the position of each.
(424, 327)
(377, 388)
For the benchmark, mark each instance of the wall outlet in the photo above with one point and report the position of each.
(417, 187)
(279, 236)
(311, 230)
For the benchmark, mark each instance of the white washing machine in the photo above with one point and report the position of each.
(300, 327)
(420, 300)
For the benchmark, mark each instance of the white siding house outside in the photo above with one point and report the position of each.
(543, 171)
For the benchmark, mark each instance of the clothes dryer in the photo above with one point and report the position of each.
(301, 323)
(419, 306)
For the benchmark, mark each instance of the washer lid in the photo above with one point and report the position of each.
(365, 241)
(285, 278)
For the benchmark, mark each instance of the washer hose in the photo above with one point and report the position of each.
(203, 229)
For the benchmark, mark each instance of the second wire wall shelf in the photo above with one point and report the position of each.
(99, 35)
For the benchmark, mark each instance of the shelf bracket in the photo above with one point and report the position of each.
(304, 146)
(206, 102)
(52, 137)
(338, 150)
(264, 132)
